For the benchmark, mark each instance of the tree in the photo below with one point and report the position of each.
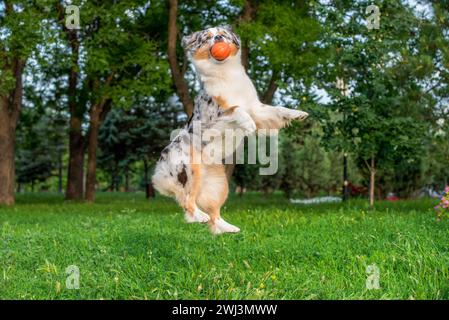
(135, 135)
(114, 60)
(41, 132)
(383, 117)
(435, 42)
(21, 24)
(122, 65)
(76, 107)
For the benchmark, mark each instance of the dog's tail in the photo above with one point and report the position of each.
(166, 183)
(161, 182)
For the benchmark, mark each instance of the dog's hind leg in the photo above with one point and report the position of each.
(192, 213)
(212, 195)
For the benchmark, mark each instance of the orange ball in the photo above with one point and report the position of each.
(220, 51)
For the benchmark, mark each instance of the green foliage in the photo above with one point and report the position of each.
(283, 33)
(136, 134)
(305, 168)
(41, 137)
(308, 170)
(384, 116)
(436, 170)
(283, 45)
(22, 28)
(116, 45)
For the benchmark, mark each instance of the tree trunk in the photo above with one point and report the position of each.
(59, 170)
(182, 89)
(94, 128)
(126, 180)
(271, 88)
(10, 107)
(75, 174)
(372, 182)
(149, 189)
(248, 14)
(116, 179)
(7, 169)
(97, 114)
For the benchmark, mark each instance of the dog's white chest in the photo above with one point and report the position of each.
(236, 90)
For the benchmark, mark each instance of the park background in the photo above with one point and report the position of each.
(85, 112)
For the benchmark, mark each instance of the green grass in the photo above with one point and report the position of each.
(128, 248)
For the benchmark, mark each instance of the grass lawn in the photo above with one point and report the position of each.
(128, 248)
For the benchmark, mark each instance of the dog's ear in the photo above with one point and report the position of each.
(235, 38)
(188, 41)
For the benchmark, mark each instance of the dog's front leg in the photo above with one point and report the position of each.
(269, 117)
(226, 134)
(235, 118)
(243, 121)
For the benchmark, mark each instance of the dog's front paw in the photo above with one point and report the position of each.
(302, 115)
(249, 127)
(292, 114)
(246, 123)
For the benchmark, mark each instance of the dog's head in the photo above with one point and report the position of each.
(199, 44)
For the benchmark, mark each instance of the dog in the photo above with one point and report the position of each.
(228, 100)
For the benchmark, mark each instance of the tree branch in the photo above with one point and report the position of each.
(104, 100)
(271, 88)
(8, 7)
